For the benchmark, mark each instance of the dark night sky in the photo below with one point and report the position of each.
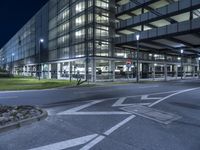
(14, 14)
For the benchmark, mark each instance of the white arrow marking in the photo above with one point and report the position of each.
(120, 102)
(145, 97)
(67, 144)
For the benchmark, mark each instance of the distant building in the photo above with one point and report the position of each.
(96, 40)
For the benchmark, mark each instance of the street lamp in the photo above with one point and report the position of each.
(137, 71)
(39, 66)
(182, 51)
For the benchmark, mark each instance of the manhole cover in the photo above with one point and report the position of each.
(153, 114)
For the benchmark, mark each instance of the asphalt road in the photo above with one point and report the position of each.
(148, 116)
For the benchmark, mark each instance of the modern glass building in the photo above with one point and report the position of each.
(96, 40)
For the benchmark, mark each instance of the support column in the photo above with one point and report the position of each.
(165, 68)
(165, 71)
(184, 68)
(176, 71)
(154, 71)
(28, 70)
(49, 71)
(112, 69)
(24, 70)
(58, 70)
(139, 70)
(93, 70)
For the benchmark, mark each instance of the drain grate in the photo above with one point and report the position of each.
(153, 114)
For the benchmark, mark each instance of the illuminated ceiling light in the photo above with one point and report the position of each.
(182, 51)
(41, 40)
(137, 37)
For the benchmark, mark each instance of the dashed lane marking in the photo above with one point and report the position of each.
(108, 132)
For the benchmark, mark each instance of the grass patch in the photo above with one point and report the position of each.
(19, 83)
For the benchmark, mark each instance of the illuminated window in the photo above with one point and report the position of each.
(80, 7)
(80, 20)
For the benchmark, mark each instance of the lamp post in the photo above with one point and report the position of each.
(137, 71)
(182, 64)
(12, 62)
(39, 66)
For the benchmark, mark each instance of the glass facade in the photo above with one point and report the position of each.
(81, 40)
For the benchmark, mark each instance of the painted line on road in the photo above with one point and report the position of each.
(144, 87)
(9, 97)
(73, 110)
(146, 97)
(157, 93)
(119, 103)
(108, 132)
(67, 144)
(183, 91)
(25, 91)
(95, 113)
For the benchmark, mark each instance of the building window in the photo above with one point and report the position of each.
(103, 4)
(80, 7)
(80, 21)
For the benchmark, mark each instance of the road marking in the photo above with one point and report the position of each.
(119, 103)
(67, 144)
(146, 97)
(95, 113)
(75, 110)
(111, 130)
(25, 91)
(144, 87)
(183, 91)
(154, 93)
(80, 107)
(9, 97)
(108, 132)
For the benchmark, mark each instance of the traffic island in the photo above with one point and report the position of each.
(12, 117)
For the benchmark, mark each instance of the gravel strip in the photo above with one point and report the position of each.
(14, 114)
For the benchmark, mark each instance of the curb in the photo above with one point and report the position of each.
(40, 90)
(25, 122)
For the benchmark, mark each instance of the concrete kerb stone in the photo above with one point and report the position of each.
(24, 122)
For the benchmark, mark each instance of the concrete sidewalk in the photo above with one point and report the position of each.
(133, 80)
